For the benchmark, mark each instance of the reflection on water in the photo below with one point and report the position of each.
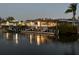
(31, 36)
(16, 38)
(30, 43)
(40, 39)
(68, 38)
(7, 35)
(12, 37)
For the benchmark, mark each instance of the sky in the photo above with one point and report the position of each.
(27, 11)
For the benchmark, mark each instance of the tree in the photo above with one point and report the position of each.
(72, 9)
(10, 19)
(2, 19)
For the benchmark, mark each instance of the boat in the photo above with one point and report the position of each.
(14, 29)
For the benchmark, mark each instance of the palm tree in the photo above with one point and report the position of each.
(72, 8)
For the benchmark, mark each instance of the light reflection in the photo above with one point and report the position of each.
(40, 39)
(7, 35)
(31, 36)
(16, 38)
(43, 39)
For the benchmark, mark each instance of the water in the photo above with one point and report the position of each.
(37, 44)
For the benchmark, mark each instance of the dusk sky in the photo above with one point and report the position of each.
(21, 11)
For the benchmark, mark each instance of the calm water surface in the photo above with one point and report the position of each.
(34, 44)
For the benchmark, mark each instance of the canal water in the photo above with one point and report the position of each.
(37, 44)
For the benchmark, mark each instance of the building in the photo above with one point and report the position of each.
(7, 23)
(42, 24)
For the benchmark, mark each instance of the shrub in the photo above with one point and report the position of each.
(67, 28)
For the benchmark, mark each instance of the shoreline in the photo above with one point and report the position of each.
(38, 32)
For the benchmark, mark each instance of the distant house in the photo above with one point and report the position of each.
(7, 23)
(41, 23)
